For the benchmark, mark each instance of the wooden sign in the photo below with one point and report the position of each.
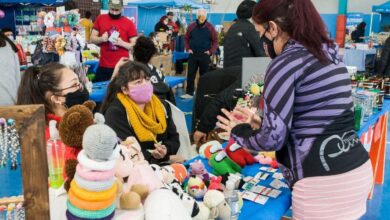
(30, 123)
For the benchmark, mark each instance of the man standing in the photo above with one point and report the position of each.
(116, 36)
(201, 42)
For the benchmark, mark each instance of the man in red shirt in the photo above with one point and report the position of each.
(116, 36)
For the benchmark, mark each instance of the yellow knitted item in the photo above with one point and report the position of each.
(93, 196)
(149, 123)
(90, 206)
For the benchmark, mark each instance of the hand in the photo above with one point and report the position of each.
(118, 65)
(104, 37)
(228, 122)
(247, 116)
(119, 42)
(199, 137)
(208, 53)
(190, 51)
(160, 151)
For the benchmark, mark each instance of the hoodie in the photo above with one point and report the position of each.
(308, 116)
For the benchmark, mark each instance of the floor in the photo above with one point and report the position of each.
(377, 208)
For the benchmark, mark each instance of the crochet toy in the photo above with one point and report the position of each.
(163, 204)
(267, 158)
(215, 201)
(130, 195)
(209, 148)
(238, 154)
(93, 191)
(216, 183)
(49, 19)
(222, 164)
(71, 129)
(60, 44)
(197, 169)
(196, 187)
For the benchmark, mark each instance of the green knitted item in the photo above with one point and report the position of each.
(89, 214)
(222, 164)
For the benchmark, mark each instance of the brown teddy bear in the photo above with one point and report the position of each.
(71, 129)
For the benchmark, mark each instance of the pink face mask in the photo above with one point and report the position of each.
(141, 94)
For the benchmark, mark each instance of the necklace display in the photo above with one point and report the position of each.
(9, 143)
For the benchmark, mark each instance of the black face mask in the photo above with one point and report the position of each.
(115, 17)
(270, 46)
(76, 98)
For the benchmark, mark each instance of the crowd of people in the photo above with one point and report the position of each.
(307, 95)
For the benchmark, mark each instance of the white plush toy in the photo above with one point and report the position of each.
(215, 201)
(163, 204)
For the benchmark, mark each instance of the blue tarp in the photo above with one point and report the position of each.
(383, 8)
(41, 2)
(167, 4)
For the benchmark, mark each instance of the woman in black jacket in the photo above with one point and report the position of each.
(162, 25)
(131, 109)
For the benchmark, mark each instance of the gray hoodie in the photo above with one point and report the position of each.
(9, 75)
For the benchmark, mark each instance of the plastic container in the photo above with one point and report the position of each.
(55, 156)
(232, 199)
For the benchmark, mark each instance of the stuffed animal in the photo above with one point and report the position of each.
(163, 204)
(196, 187)
(265, 160)
(60, 45)
(238, 154)
(71, 129)
(209, 148)
(197, 169)
(222, 164)
(216, 183)
(130, 195)
(215, 201)
(93, 190)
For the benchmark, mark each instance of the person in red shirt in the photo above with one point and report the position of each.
(116, 35)
(173, 26)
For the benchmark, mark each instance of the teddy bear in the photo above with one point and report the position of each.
(71, 130)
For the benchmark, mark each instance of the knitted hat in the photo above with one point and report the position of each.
(244, 10)
(99, 140)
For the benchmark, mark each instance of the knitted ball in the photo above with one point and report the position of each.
(99, 142)
(130, 200)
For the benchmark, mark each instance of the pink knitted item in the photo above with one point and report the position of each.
(94, 175)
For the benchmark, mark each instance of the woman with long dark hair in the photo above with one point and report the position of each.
(10, 73)
(308, 115)
(131, 109)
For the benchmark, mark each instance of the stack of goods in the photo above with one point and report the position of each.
(93, 190)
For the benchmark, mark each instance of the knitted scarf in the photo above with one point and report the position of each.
(147, 124)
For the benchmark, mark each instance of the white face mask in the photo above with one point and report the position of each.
(11, 38)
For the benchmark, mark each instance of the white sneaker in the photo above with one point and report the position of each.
(186, 96)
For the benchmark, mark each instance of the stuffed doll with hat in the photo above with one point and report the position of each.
(71, 129)
(93, 190)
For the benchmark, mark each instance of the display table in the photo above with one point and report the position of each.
(179, 56)
(357, 57)
(99, 89)
(273, 209)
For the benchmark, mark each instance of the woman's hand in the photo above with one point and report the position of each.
(118, 65)
(199, 137)
(160, 152)
(229, 121)
(238, 116)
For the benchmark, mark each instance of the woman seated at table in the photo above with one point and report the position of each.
(308, 116)
(131, 109)
(144, 50)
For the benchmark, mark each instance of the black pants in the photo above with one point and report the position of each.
(103, 74)
(195, 61)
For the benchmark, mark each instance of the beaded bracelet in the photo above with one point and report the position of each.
(94, 175)
(90, 214)
(93, 196)
(90, 206)
(94, 186)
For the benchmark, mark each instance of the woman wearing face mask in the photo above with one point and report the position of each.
(162, 25)
(308, 115)
(131, 109)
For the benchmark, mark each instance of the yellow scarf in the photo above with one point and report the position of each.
(147, 124)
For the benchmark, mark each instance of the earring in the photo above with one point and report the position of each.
(3, 142)
(13, 141)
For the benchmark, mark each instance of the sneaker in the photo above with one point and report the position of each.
(186, 96)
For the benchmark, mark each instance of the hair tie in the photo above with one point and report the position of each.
(92, 175)
(93, 196)
(90, 214)
(94, 165)
(89, 206)
(94, 186)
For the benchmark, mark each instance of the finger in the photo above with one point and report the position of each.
(223, 120)
(223, 127)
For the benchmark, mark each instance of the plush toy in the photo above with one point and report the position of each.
(238, 154)
(49, 19)
(196, 187)
(60, 44)
(222, 164)
(163, 204)
(216, 183)
(215, 201)
(180, 172)
(265, 160)
(209, 148)
(197, 169)
(71, 129)
(93, 190)
(130, 195)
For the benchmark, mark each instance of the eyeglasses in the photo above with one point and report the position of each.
(78, 85)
